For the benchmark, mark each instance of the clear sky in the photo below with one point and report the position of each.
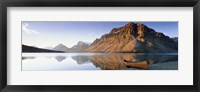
(50, 34)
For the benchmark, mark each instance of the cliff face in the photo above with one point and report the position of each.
(133, 37)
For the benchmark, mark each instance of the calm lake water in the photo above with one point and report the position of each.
(97, 61)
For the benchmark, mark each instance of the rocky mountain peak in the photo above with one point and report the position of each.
(79, 47)
(80, 43)
(135, 29)
(133, 37)
(60, 44)
(61, 47)
(130, 24)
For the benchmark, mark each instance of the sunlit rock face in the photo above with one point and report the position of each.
(134, 37)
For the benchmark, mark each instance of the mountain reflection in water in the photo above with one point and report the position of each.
(104, 61)
(116, 61)
(60, 58)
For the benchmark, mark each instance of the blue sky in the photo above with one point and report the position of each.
(50, 34)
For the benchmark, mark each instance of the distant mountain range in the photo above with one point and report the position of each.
(79, 47)
(26, 48)
(61, 47)
(132, 37)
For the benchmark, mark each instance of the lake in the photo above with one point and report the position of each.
(97, 61)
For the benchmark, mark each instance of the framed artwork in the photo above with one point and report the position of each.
(131, 45)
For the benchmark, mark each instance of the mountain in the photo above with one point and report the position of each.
(49, 48)
(30, 49)
(134, 37)
(61, 47)
(116, 61)
(175, 39)
(88, 43)
(79, 47)
(60, 58)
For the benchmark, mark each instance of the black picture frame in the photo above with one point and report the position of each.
(98, 3)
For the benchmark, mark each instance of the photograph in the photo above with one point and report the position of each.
(99, 45)
(107, 45)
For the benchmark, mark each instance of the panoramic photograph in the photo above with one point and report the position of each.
(110, 45)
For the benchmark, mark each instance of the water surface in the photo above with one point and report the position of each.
(97, 61)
